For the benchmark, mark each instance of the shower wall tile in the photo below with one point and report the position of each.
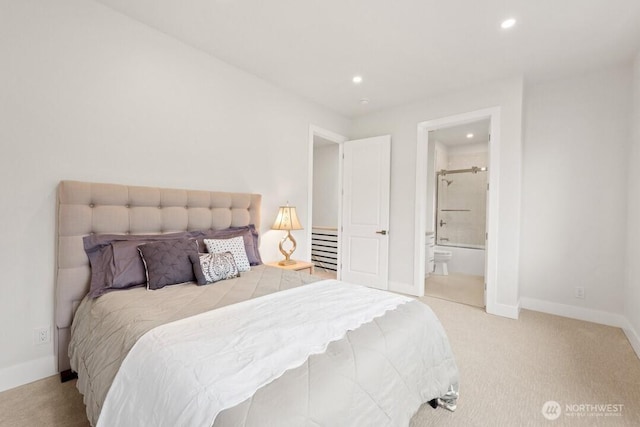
(466, 161)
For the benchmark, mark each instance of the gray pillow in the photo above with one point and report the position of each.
(211, 268)
(115, 260)
(167, 262)
(129, 268)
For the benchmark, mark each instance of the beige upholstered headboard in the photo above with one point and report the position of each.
(88, 208)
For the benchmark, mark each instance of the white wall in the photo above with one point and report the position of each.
(574, 194)
(632, 283)
(441, 156)
(480, 147)
(467, 160)
(88, 94)
(325, 185)
(402, 123)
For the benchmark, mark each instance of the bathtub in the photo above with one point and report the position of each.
(465, 260)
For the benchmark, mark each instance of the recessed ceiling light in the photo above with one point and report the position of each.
(364, 101)
(357, 79)
(469, 135)
(508, 23)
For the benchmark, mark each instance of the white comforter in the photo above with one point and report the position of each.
(185, 372)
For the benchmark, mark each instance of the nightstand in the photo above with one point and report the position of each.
(298, 266)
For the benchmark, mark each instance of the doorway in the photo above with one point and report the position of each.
(325, 177)
(427, 179)
(456, 222)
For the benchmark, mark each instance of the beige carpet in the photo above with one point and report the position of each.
(508, 370)
(456, 287)
(43, 403)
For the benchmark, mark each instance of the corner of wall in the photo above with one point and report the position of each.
(632, 273)
(633, 337)
(575, 312)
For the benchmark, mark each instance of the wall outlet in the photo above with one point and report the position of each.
(41, 335)
(579, 292)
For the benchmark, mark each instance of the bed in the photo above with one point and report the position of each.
(378, 373)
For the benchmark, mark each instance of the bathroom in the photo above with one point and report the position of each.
(457, 187)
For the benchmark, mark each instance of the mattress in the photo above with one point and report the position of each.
(378, 374)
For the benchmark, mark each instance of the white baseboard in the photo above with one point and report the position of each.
(510, 311)
(633, 337)
(588, 315)
(27, 372)
(573, 312)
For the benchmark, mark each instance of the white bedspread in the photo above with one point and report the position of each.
(185, 372)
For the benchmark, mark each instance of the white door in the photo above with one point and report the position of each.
(365, 211)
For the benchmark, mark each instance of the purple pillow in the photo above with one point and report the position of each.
(115, 260)
(167, 262)
(249, 235)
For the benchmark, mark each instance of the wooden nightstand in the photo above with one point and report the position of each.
(298, 266)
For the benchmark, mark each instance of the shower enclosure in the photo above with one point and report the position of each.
(461, 207)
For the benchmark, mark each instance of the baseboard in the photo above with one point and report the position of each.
(573, 312)
(633, 337)
(27, 372)
(510, 311)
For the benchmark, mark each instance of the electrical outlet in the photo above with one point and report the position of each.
(579, 292)
(41, 335)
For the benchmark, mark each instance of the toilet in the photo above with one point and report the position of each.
(441, 259)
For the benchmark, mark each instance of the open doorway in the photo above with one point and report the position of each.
(475, 248)
(457, 181)
(325, 155)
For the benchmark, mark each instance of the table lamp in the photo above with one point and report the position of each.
(287, 219)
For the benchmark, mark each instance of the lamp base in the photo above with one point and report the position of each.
(287, 254)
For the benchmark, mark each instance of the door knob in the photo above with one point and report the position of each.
(442, 223)
(383, 232)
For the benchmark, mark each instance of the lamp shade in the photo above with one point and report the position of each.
(287, 219)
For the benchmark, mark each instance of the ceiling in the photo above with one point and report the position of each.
(457, 135)
(405, 50)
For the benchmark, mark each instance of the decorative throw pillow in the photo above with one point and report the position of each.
(210, 268)
(248, 233)
(234, 245)
(168, 262)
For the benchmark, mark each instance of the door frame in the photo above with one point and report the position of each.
(338, 139)
(422, 169)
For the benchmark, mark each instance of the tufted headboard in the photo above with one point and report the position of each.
(86, 208)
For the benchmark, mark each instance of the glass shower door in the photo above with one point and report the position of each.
(461, 208)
